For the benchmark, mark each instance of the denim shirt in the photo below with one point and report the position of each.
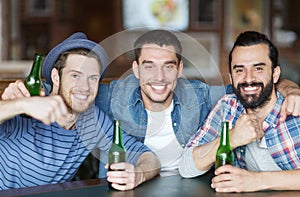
(121, 99)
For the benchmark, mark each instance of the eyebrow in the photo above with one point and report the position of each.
(241, 66)
(166, 62)
(147, 61)
(79, 72)
(76, 71)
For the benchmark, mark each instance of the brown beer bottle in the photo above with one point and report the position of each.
(224, 153)
(117, 151)
(33, 81)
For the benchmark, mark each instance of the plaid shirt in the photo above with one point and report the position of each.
(282, 138)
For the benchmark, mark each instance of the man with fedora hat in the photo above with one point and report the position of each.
(65, 126)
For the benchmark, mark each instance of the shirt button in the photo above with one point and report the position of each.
(242, 150)
(182, 145)
(174, 124)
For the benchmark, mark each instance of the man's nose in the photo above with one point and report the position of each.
(249, 76)
(160, 74)
(83, 84)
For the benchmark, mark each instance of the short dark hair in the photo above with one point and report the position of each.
(159, 37)
(249, 38)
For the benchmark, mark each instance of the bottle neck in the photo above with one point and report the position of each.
(37, 65)
(117, 138)
(224, 141)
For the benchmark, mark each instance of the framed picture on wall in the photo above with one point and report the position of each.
(149, 14)
(243, 15)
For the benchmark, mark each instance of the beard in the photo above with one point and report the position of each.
(72, 108)
(254, 101)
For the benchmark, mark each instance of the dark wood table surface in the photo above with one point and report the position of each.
(161, 186)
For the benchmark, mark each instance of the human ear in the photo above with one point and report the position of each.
(55, 77)
(135, 68)
(276, 74)
(180, 68)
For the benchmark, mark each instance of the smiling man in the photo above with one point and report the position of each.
(65, 126)
(266, 148)
(253, 94)
(155, 103)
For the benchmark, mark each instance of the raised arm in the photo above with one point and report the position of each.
(46, 109)
(10, 109)
(15, 90)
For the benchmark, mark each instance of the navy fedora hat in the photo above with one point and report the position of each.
(76, 40)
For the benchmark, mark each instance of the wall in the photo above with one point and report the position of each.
(101, 19)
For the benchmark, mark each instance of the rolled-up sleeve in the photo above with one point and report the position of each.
(187, 168)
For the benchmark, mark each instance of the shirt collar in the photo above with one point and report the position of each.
(273, 118)
(136, 97)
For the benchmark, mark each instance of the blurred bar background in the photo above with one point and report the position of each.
(30, 26)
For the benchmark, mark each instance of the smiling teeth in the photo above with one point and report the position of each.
(78, 96)
(158, 87)
(250, 88)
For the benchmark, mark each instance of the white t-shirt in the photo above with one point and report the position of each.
(161, 139)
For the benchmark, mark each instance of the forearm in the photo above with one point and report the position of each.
(280, 180)
(205, 155)
(147, 167)
(10, 108)
(285, 87)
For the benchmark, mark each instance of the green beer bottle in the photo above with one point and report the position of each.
(33, 81)
(117, 151)
(224, 153)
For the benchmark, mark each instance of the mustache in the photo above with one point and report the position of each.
(245, 84)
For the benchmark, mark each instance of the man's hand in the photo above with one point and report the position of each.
(291, 105)
(124, 176)
(17, 90)
(46, 109)
(291, 92)
(129, 176)
(232, 179)
(248, 128)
